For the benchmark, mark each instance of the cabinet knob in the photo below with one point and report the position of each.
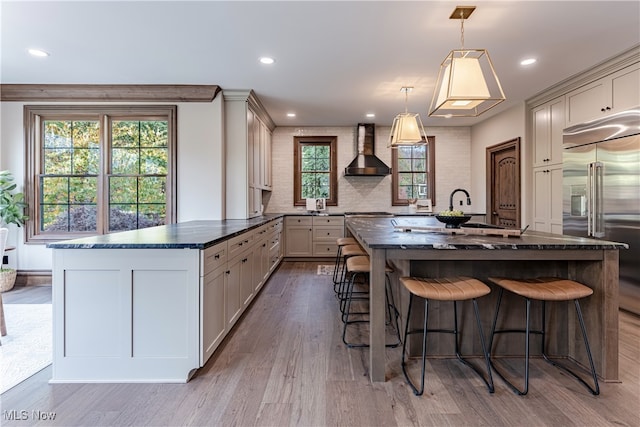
(608, 108)
(602, 109)
(217, 256)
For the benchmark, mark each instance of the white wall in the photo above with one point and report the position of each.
(201, 170)
(453, 170)
(500, 128)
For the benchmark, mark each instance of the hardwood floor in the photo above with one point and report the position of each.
(285, 364)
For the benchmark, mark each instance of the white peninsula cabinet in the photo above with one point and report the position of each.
(153, 305)
(248, 130)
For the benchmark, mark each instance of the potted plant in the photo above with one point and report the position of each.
(12, 206)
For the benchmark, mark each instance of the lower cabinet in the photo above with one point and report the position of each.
(312, 236)
(547, 199)
(232, 274)
(212, 307)
(298, 236)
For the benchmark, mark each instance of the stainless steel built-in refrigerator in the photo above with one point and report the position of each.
(601, 191)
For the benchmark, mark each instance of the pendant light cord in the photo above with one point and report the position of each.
(462, 28)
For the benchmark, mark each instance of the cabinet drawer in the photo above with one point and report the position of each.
(274, 239)
(240, 243)
(214, 257)
(261, 231)
(275, 225)
(328, 220)
(327, 233)
(325, 249)
(299, 220)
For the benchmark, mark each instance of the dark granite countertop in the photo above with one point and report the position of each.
(380, 233)
(185, 235)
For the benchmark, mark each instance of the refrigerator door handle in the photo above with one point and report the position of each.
(596, 214)
(590, 198)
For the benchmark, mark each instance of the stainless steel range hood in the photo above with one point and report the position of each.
(366, 163)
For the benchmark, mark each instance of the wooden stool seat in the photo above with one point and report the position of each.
(544, 288)
(344, 251)
(361, 264)
(353, 250)
(446, 289)
(453, 289)
(344, 241)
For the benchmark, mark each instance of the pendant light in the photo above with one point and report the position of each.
(407, 127)
(467, 84)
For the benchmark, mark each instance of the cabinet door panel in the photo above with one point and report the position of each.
(586, 103)
(625, 89)
(298, 241)
(213, 313)
(233, 303)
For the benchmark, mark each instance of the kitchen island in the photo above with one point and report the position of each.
(152, 305)
(533, 254)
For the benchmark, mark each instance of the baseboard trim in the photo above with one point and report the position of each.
(33, 277)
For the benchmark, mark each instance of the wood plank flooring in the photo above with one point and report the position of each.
(285, 364)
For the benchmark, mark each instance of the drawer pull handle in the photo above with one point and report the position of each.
(217, 256)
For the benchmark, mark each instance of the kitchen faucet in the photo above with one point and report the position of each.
(454, 192)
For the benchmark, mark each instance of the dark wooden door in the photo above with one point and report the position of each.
(503, 184)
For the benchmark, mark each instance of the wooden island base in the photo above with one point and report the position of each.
(591, 262)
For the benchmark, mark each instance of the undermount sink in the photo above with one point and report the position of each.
(481, 225)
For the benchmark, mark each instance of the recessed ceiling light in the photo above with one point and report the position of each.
(267, 60)
(370, 115)
(528, 61)
(291, 114)
(38, 52)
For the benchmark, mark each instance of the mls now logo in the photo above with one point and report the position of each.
(15, 415)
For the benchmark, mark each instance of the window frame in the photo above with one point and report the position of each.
(34, 117)
(431, 174)
(298, 142)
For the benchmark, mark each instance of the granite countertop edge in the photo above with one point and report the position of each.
(199, 234)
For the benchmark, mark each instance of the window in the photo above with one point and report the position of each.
(315, 170)
(413, 173)
(96, 170)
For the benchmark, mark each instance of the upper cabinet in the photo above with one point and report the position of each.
(547, 125)
(248, 130)
(608, 95)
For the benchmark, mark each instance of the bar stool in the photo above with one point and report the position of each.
(347, 252)
(341, 241)
(359, 267)
(543, 289)
(444, 289)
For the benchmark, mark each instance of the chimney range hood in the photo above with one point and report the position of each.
(366, 163)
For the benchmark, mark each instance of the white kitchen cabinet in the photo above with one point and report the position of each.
(212, 303)
(247, 125)
(608, 95)
(326, 230)
(298, 236)
(547, 199)
(312, 236)
(276, 248)
(547, 126)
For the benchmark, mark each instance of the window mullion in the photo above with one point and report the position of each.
(104, 175)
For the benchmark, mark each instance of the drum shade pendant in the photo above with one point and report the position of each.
(467, 84)
(407, 127)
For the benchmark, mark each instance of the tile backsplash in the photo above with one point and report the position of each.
(371, 193)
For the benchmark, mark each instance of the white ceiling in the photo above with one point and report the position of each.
(335, 60)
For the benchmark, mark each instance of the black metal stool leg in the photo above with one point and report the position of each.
(596, 389)
(416, 391)
(526, 331)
